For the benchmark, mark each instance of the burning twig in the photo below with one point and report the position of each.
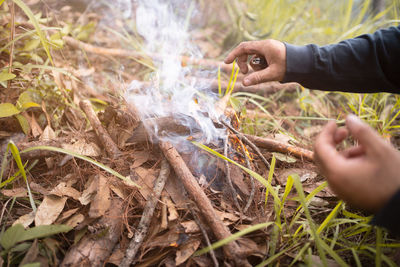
(232, 249)
(108, 143)
(185, 60)
(228, 176)
(143, 227)
(275, 146)
(253, 146)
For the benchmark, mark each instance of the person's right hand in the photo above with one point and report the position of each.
(272, 50)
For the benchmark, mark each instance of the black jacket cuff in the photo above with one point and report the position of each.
(299, 62)
(389, 216)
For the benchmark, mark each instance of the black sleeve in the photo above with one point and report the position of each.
(366, 64)
(389, 216)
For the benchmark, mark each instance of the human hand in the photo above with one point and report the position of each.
(365, 176)
(272, 50)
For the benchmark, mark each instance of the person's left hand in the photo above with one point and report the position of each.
(365, 176)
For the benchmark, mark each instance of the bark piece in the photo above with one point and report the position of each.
(231, 250)
(109, 145)
(94, 250)
(275, 146)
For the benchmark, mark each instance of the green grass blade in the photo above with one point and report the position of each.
(270, 175)
(233, 237)
(329, 218)
(71, 153)
(17, 157)
(35, 23)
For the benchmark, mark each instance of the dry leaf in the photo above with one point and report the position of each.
(16, 192)
(118, 191)
(304, 174)
(66, 215)
(49, 210)
(62, 190)
(140, 157)
(238, 179)
(101, 201)
(145, 179)
(26, 219)
(48, 134)
(75, 220)
(173, 214)
(191, 227)
(185, 251)
(36, 130)
(83, 148)
(88, 193)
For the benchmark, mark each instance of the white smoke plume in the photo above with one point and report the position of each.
(163, 26)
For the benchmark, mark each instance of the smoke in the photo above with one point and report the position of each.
(172, 91)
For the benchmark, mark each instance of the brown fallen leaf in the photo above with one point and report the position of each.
(65, 215)
(186, 250)
(49, 210)
(83, 148)
(238, 179)
(26, 219)
(75, 220)
(62, 190)
(145, 179)
(304, 174)
(140, 157)
(173, 213)
(48, 134)
(190, 227)
(101, 201)
(16, 192)
(88, 194)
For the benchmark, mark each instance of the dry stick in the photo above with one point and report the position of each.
(275, 146)
(204, 232)
(228, 176)
(148, 212)
(232, 249)
(185, 60)
(108, 143)
(253, 189)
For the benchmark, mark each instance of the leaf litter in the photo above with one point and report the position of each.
(98, 213)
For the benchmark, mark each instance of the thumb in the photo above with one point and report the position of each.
(362, 132)
(257, 77)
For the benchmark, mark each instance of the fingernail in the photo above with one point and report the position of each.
(246, 81)
(353, 119)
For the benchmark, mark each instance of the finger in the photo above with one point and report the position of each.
(244, 48)
(242, 63)
(325, 148)
(353, 152)
(340, 135)
(364, 134)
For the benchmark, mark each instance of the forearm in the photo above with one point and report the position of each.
(368, 63)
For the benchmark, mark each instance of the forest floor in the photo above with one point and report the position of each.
(88, 178)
